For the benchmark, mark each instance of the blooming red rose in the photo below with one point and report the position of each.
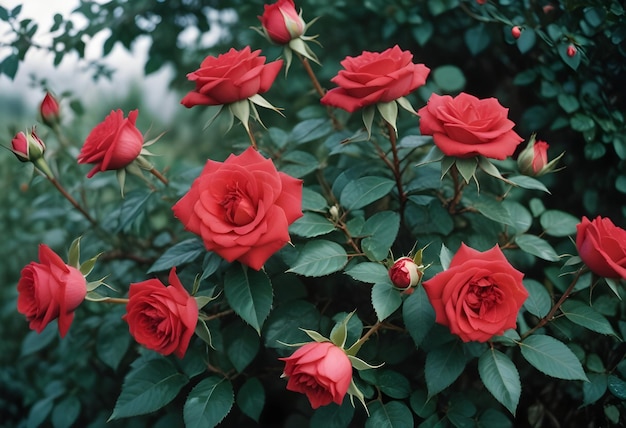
(233, 76)
(478, 296)
(113, 143)
(242, 208)
(50, 290)
(49, 110)
(281, 21)
(405, 273)
(161, 318)
(373, 77)
(465, 126)
(321, 371)
(602, 247)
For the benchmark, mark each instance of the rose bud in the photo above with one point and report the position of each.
(49, 110)
(533, 160)
(405, 273)
(321, 371)
(571, 51)
(481, 2)
(281, 22)
(516, 31)
(28, 148)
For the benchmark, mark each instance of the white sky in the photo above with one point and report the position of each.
(67, 75)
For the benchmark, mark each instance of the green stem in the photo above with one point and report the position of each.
(67, 196)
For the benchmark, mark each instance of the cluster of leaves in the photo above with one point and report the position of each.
(352, 224)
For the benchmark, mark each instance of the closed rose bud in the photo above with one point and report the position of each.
(50, 111)
(571, 51)
(405, 273)
(516, 31)
(27, 147)
(533, 160)
(281, 22)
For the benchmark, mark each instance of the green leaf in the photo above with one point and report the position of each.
(242, 345)
(568, 102)
(39, 411)
(208, 403)
(521, 218)
(34, 341)
(444, 365)
(183, 252)
(493, 418)
(313, 201)
(380, 232)
(581, 122)
(585, 316)
(319, 258)
(298, 163)
(66, 412)
(421, 404)
(558, 223)
(526, 40)
(369, 272)
(392, 383)
(530, 183)
(595, 388)
(488, 206)
(552, 357)
(112, 342)
(393, 414)
(501, 378)
(418, 315)
(537, 247)
(617, 387)
(477, 38)
(251, 398)
(249, 293)
(311, 225)
(449, 78)
(9, 66)
(363, 191)
(572, 61)
(131, 209)
(285, 323)
(538, 302)
(333, 416)
(311, 129)
(385, 299)
(147, 388)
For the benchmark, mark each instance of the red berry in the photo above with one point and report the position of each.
(571, 51)
(516, 31)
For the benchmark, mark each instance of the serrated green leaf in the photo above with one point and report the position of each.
(183, 252)
(310, 129)
(242, 345)
(333, 416)
(363, 191)
(249, 293)
(311, 225)
(298, 163)
(112, 342)
(500, 377)
(594, 389)
(318, 258)
(147, 388)
(369, 272)
(443, 366)
(393, 414)
(380, 232)
(552, 357)
(251, 398)
(537, 247)
(530, 183)
(491, 208)
(313, 201)
(385, 299)
(208, 403)
(538, 302)
(66, 412)
(558, 223)
(585, 316)
(418, 315)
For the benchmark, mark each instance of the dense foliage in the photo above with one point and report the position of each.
(377, 187)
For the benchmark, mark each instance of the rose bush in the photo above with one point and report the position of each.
(375, 77)
(162, 318)
(112, 144)
(479, 295)
(465, 126)
(242, 208)
(321, 371)
(50, 290)
(602, 246)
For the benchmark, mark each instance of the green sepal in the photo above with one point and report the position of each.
(491, 169)
(315, 335)
(467, 168)
(368, 118)
(354, 391)
(406, 104)
(359, 364)
(121, 179)
(340, 332)
(86, 267)
(202, 331)
(241, 110)
(389, 112)
(299, 46)
(212, 118)
(73, 256)
(202, 301)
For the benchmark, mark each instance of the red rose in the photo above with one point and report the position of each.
(161, 318)
(233, 76)
(373, 77)
(49, 290)
(465, 126)
(602, 247)
(478, 296)
(242, 208)
(49, 110)
(321, 371)
(405, 273)
(27, 148)
(113, 143)
(281, 21)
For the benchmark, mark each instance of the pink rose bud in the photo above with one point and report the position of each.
(516, 31)
(49, 109)
(571, 51)
(548, 8)
(533, 160)
(481, 2)
(281, 22)
(405, 273)
(27, 148)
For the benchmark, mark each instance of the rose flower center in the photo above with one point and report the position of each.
(238, 209)
(483, 295)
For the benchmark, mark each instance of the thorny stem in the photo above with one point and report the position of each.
(114, 300)
(397, 171)
(458, 190)
(252, 139)
(67, 196)
(556, 306)
(217, 315)
(318, 88)
(160, 176)
(357, 345)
